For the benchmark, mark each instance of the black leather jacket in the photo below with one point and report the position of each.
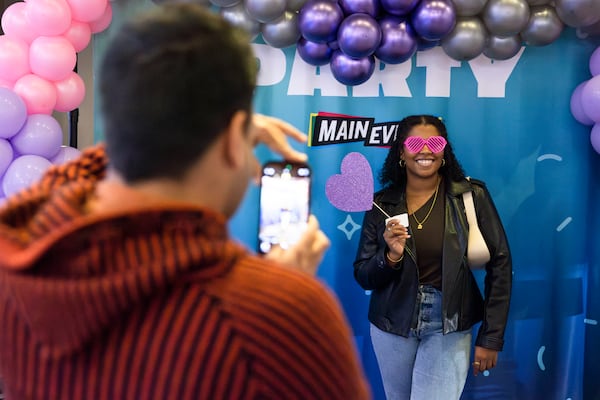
(394, 290)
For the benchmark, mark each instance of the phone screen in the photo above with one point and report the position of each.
(284, 204)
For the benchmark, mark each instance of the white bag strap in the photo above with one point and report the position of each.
(477, 251)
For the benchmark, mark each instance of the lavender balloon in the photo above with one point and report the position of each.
(350, 71)
(65, 154)
(41, 135)
(595, 138)
(498, 48)
(359, 35)
(433, 19)
(399, 7)
(319, 20)
(398, 40)
(314, 53)
(590, 98)
(283, 32)
(6, 155)
(13, 113)
(371, 7)
(577, 108)
(22, 172)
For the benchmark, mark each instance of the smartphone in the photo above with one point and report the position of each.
(284, 203)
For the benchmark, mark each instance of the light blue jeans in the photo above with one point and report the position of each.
(427, 365)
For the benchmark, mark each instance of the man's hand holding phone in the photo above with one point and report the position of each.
(306, 254)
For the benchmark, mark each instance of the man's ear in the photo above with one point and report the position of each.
(236, 139)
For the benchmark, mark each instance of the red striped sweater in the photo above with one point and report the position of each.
(157, 303)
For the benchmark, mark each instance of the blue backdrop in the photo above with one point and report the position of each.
(511, 126)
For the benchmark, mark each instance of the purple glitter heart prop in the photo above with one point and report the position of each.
(352, 190)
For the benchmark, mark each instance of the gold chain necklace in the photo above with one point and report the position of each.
(420, 223)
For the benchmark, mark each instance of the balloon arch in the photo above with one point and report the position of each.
(38, 53)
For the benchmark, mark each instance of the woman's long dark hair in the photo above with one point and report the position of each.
(392, 174)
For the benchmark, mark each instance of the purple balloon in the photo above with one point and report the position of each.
(595, 62)
(434, 19)
(423, 44)
(41, 136)
(595, 138)
(6, 155)
(65, 154)
(351, 71)
(590, 98)
(22, 172)
(314, 53)
(399, 7)
(319, 20)
(13, 113)
(371, 7)
(398, 40)
(359, 35)
(577, 108)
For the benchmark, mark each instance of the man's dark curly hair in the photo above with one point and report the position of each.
(392, 174)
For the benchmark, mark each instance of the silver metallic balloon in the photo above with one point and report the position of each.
(294, 5)
(265, 10)
(505, 17)
(498, 48)
(543, 28)
(467, 40)
(224, 3)
(206, 3)
(238, 16)
(282, 32)
(589, 30)
(578, 13)
(538, 2)
(469, 8)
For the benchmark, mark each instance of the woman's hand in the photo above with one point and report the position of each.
(484, 359)
(275, 132)
(306, 255)
(395, 235)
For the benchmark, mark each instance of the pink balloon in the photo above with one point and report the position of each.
(48, 17)
(577, 107)
(14, 58)
(52, 58)
(6, 84)
(65, 154)
(14, 23)
(590, 98)
(79, 34)
(104, 21)
(87, 10)
(39, 94)
(70, 92)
